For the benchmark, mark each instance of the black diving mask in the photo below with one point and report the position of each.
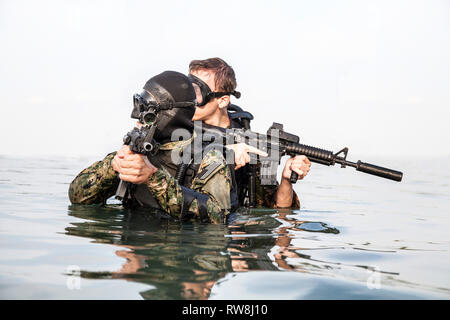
(205, 91)
(146, 108)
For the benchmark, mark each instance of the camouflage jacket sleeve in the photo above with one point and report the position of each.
(95, 184)
(213, 179)
(266, 195)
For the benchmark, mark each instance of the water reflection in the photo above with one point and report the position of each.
(401, 236)
(185, 260)
(180, 261)
(291, 249)
(285, 251)
(288, 256)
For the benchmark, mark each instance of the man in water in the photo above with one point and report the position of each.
(217, 76)
(214, 81)
(206, 196)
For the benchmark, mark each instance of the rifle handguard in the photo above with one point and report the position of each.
(315, 154)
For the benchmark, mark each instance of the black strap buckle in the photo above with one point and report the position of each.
(188, 196)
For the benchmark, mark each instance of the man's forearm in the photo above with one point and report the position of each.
(285, 194)
(95, 184)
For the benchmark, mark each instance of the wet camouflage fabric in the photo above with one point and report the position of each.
(94, 185)
(99, 182)
(217, 185)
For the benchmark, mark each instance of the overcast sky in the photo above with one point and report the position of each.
(370, 75)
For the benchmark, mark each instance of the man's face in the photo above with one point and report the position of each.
(210, 109)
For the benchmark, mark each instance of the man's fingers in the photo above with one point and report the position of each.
(130, 171)
(116, 164)
(298, 164)
(127, 149)
(301, 159)
(132, 156)
(131, 164)
(123, 151)
(240, 162)
(128, 178)
(255, 150)
(130, 161)
(298, 171)
(131, 178)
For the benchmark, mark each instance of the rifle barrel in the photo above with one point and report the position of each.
(329, 158)
(379, 171)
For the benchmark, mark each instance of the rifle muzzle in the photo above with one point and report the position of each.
(379, 171)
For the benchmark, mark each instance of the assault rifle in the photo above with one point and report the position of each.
(278, 143)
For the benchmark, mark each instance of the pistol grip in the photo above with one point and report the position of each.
(294, 177)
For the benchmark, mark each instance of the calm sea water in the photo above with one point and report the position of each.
(356, 237)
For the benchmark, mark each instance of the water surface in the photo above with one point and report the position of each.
(356, 237)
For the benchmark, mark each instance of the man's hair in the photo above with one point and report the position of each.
(224, 77)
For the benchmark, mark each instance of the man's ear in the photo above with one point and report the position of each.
(224, 101)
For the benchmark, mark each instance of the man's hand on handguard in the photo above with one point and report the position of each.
(132, 167)
(298, 164)
(285, 193)
(241, 153)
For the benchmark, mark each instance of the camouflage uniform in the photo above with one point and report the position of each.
(97, 183)
(217, 185)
